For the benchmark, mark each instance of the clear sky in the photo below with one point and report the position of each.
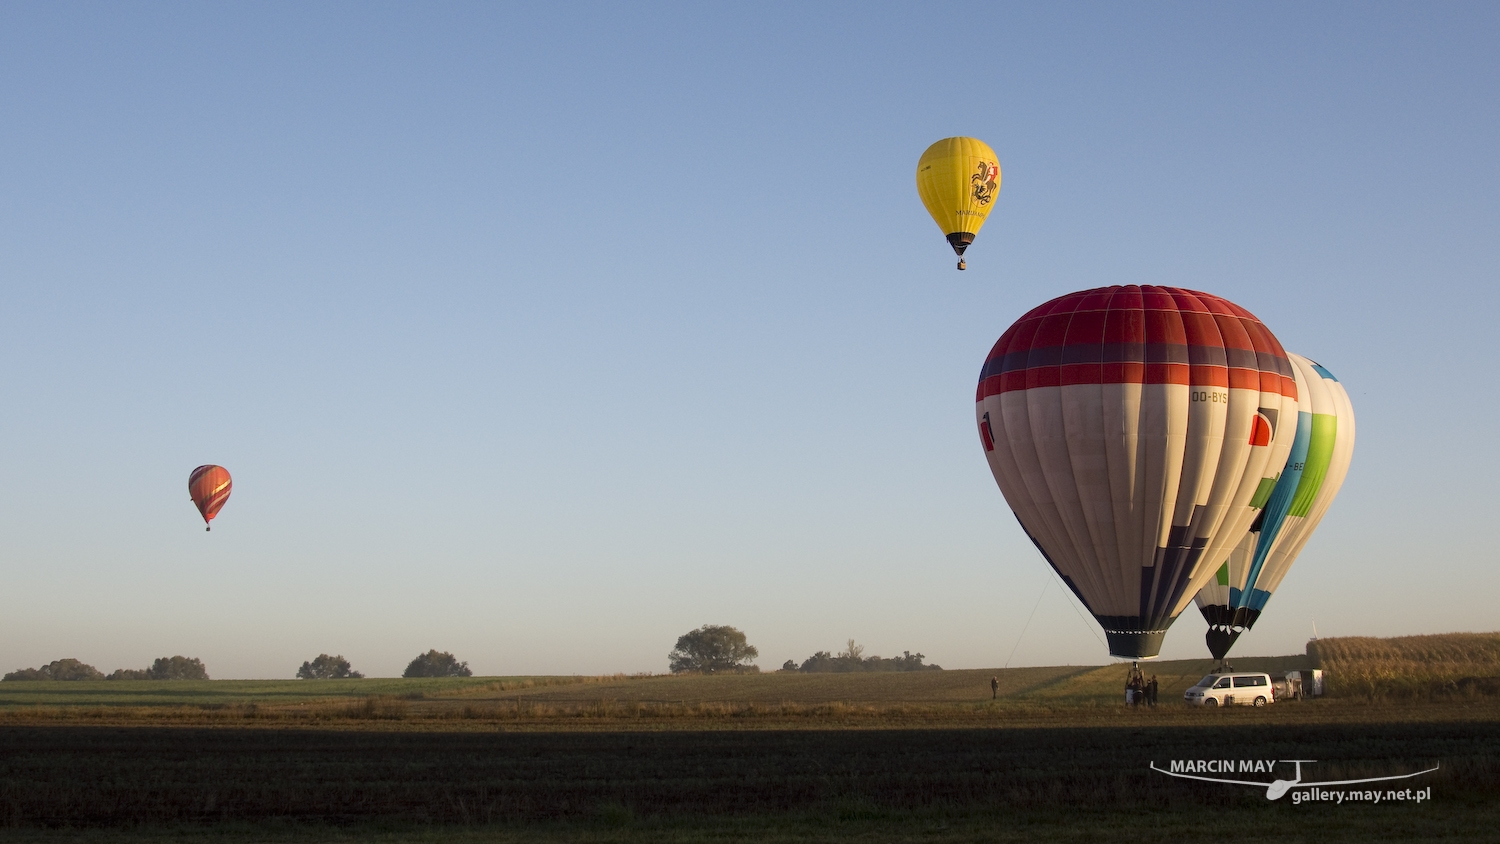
(543, 334)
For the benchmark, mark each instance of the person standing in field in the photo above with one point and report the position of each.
(994, 688)
(1151, 691)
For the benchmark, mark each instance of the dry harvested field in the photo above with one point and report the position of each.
(777, 757)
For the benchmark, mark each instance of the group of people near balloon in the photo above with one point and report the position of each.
(1157, 444)
(1138, 689)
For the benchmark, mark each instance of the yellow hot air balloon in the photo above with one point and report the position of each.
(958, 179)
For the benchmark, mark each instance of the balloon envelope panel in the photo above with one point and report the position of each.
(1129, 429)
(1329, 453)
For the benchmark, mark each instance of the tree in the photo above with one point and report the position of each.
(177, 668)
(713, 649)
(822, 661)
(327, 667)
(61, 669)
(437, 664)
(165, 668)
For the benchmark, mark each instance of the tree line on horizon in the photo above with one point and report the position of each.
(711, 649)
(165, 668)
(852, 659)
(434, 663)
(720, 649)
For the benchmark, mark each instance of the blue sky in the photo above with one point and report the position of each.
(545, 334)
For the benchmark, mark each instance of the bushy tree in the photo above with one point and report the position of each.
(177, 668)
(713, 649)
(61, 669)
(437, 664)
(327, 667)
(165, 668)
(823, 661)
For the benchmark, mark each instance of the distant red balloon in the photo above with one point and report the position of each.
(209, 486)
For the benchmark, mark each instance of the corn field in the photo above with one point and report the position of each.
(1410, 667)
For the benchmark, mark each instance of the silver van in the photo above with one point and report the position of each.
(1249, 689)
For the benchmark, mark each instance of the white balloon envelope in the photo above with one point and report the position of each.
(1233, 599)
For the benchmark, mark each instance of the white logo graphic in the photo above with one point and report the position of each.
(1186, 769)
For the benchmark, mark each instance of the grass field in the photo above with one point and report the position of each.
(171, 693)
(934, 692)
(922, 756)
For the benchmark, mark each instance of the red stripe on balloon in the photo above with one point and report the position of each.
(1137, 335)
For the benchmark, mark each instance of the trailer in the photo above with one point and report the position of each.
(1296, 685)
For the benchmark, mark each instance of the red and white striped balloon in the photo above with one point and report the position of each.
(1129, 428)
(209, 487)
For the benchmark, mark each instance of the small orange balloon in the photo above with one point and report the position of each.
(209, 486)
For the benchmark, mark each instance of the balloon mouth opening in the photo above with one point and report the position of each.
(1219, 615)
(1225, 624)
(960, 241)
(1220, 640)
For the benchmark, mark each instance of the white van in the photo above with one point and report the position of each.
(1229, 689)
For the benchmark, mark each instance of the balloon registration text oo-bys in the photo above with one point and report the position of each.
(209, 487)
(1130, 430)
(958, 180)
